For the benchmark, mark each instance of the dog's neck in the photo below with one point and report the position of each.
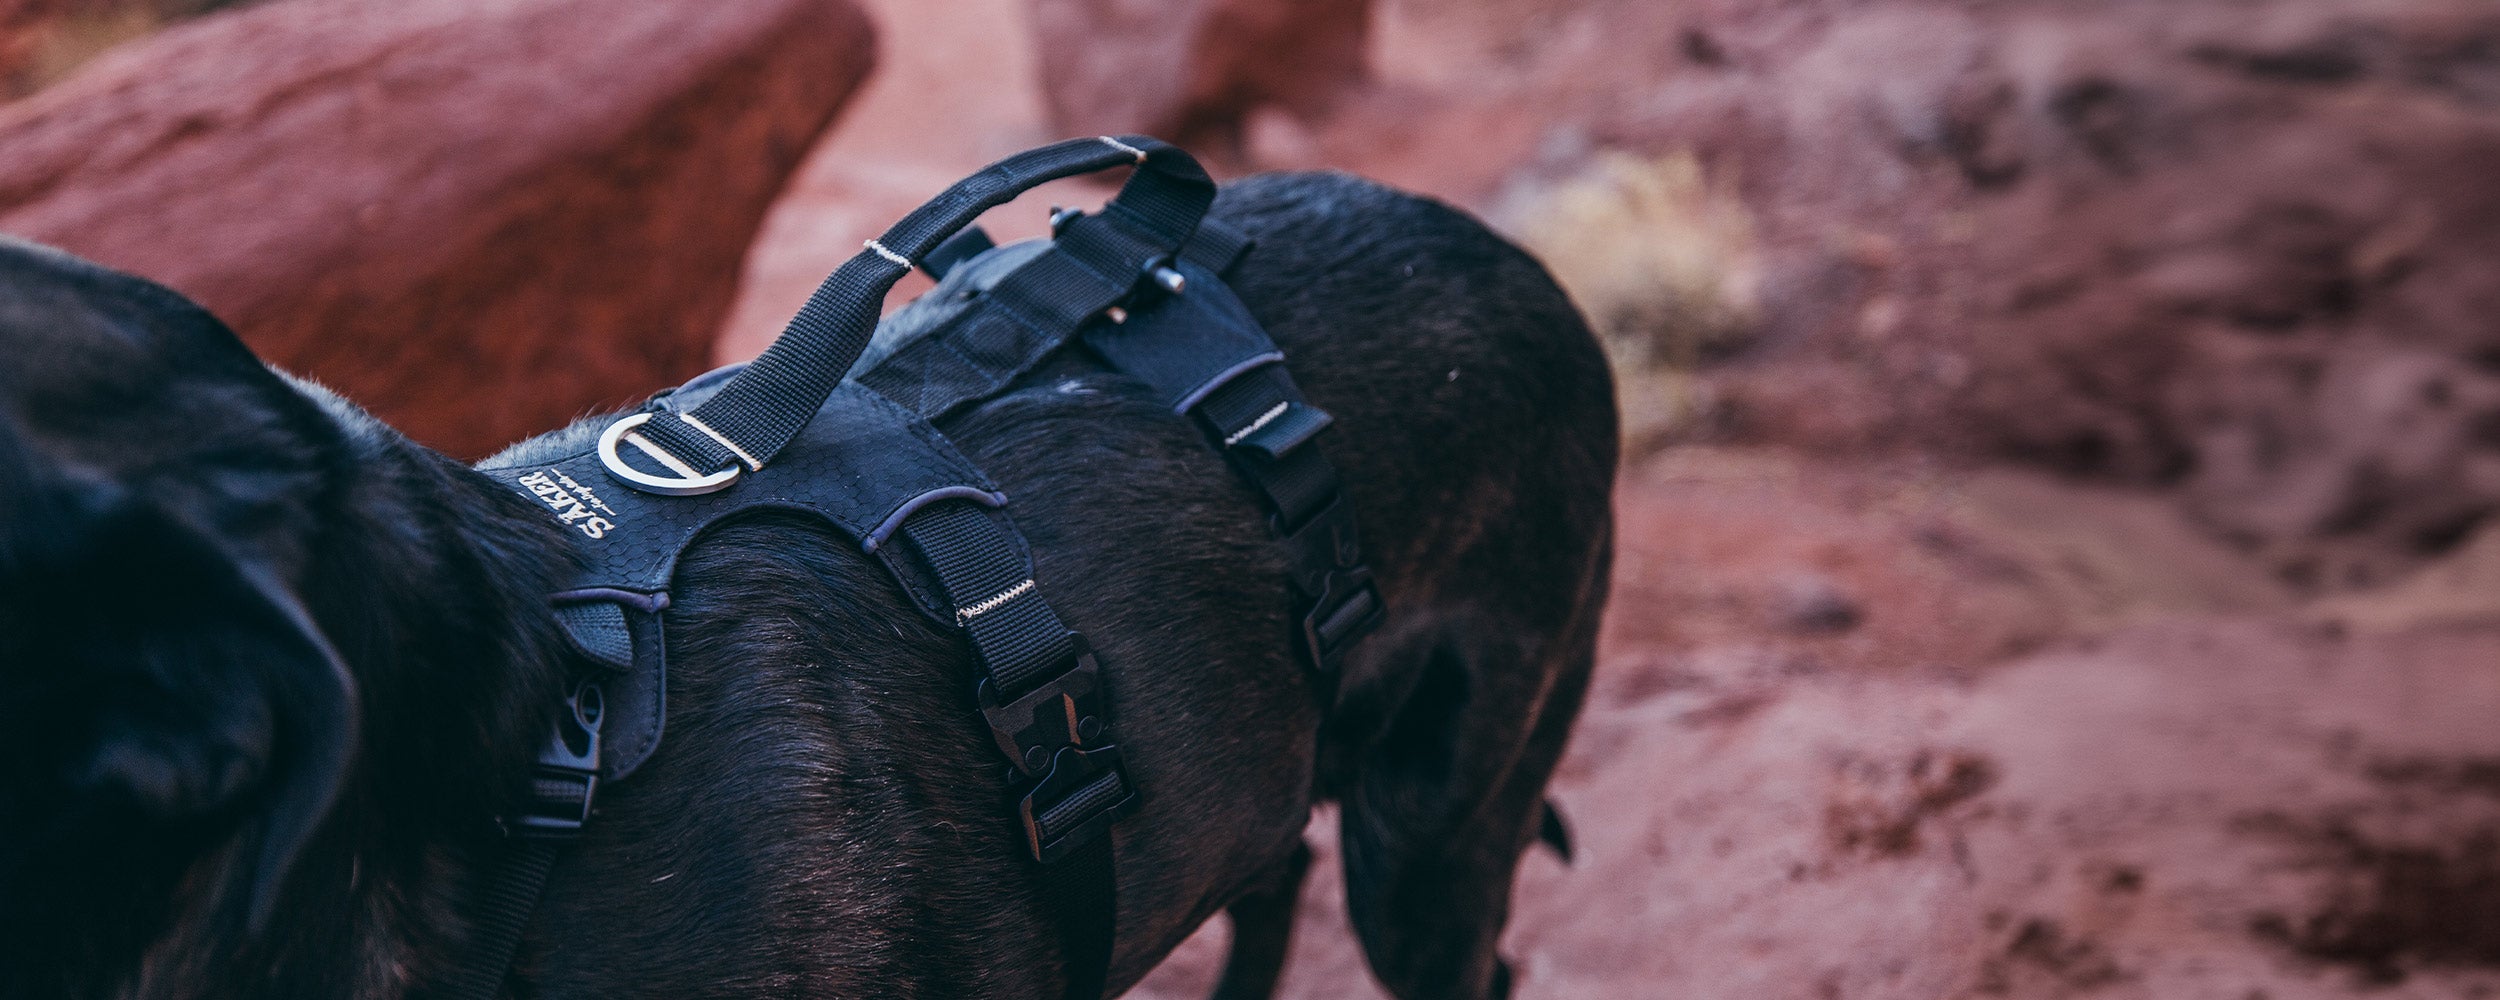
(432, 584)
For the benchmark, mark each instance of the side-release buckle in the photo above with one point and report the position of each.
(1059, 736)
(566, 779)
(1066, 710)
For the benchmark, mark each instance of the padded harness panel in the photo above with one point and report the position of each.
(863, 466)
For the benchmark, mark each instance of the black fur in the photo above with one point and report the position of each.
(824, 816)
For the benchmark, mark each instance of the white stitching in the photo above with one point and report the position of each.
(965, 615)
(881, 250)
(1265, 419)
(661, 455)
(1124, 147)
(725, 442)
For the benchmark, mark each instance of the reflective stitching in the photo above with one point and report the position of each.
(887, 254)
(965, 615)
(725, 442)
(1124, 147)
(1269, 417)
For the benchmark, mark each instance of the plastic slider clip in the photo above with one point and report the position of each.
(566, 779)
(1324, 555)
(1077, 800)
(1347, 609)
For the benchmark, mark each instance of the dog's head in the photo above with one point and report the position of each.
(173, 726)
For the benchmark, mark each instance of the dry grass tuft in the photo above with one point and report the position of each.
(1660, 258)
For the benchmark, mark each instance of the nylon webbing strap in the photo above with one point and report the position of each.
(988, 579)
(1042, 696)
(760, 410)
(1265, 428)
(1263, 423)
(1073, 891)
(512, 891)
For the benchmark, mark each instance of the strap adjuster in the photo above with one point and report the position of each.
(1083, 793)
(1347, 609)
(1340, 603)
(565, 781)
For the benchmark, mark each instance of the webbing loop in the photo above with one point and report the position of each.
(749, 420)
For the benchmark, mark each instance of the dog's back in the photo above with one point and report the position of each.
(820, 778)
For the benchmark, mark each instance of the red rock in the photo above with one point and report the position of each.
(1193, 70)
(477, 217)
(2147, 241)
(2239, 247)
(23, 25)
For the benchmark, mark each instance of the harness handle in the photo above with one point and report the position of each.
(759, 411)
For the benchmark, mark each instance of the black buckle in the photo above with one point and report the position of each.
(1324, 554)
(1324, 543)
(566, 778)
(1347, 609)
(1085, 791)
(1066, 710)
(1058, 735)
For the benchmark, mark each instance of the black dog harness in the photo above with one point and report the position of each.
(1139, 285)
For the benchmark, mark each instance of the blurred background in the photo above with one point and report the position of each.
(2056, 547)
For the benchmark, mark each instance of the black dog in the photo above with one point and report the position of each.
(267, 667)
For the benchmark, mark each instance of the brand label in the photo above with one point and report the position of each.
(572, 502)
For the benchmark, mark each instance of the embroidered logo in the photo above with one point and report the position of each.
(572, 502)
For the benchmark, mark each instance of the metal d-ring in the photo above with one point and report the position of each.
(686, 483)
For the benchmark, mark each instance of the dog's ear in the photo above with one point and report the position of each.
(159, 693)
